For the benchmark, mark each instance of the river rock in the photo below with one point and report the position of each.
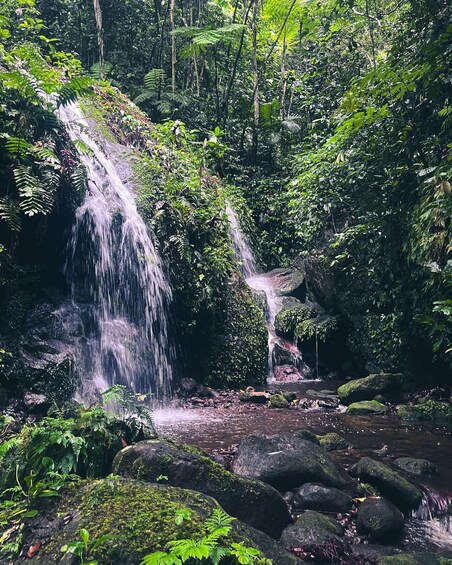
(419, 467)
(255, 397)
(367, 407)
(392, 386)
(286, 461)
(333, 441)
(392, 485)
(311, 527)
(253, 502)
(278, 401)
(308, 436)
(287, 281)
(314, 496)
(36, 403)
(428, 411)
(379, 518)
(139, 517)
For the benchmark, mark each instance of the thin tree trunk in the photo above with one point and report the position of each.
(173, 48)
(100, 37)
(284, 81)
(255, 82)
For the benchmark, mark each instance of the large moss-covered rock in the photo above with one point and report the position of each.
(287, 461)
(428, 411)
(367, 407)
(392, 485)
(139, 517)
(253, 502)
(311, 527)
(379, 519)
(390, 385)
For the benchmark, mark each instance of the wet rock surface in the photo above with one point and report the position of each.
(392, 485)
(379, 519)
(286, 461)
(418, 467)
(311, 528)
(315, 496)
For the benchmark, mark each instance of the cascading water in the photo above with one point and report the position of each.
(120, 294)
(260, 283)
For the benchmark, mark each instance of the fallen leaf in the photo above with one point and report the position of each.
(33, 549)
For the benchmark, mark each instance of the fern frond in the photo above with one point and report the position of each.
(155, 79)
(145, 95)
(10, 213)
(218, 519)
(17, 148)
(34, 198)
(95, 70)
(160, 558)
(76, 87)
(79, 178)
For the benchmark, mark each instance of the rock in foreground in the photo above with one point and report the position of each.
(311, 528)
(392, 386)
(253, 502)
(379, 519)
(139, 517)
(313, 496)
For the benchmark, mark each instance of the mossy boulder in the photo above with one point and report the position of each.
(139, 517)
(253, 502)
(415, 559)
(278, 401)
(428, 411)
(392, 386)
(287, 461)
(418, 467)
(366, 407)
(311, 527)
(333, 441)
(314, 496)
(379, 519)
(308, 436)
(288, 319)
(392, 485)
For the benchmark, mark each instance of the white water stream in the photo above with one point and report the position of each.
(119, 289)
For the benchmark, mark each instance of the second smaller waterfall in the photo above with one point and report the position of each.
(260, 282)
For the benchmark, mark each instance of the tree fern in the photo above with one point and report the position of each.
(155, 79)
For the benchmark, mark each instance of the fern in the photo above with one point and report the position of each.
(155, 79)
(10, 213)
(72, 90)
(161, 558)
(95, 70)
(79, 178)
(17, 148)
(34, 197)
(219, 519)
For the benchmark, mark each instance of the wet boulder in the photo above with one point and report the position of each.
(254, 397)
(418, 467)
(252, 501)
(389, 483)
(311, 528)
(367, 408)
(286, 461)
(379, 519)
(139, 518)
(315, 496)
(392, 386)
(36, 403)
(287, 282)
(188, 385)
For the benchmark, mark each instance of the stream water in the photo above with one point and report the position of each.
(120, 295)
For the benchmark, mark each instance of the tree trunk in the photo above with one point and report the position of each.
(173, 48)
(255, 83)
(100, 38)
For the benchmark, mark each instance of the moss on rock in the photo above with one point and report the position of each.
(366, 407)
(390, 385)
(428, 411)
(278, 401)
(139, 517)
(333, 441)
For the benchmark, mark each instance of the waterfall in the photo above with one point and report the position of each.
(118, 286)
(259, 282)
